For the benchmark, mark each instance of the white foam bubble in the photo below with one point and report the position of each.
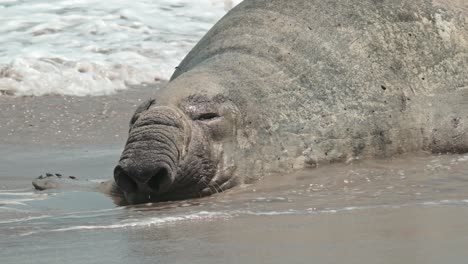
(203, 215)
(18, 194)
(90, 214)
(211, 215)
(313, 211)
(6, 208)
(16, 201)
(24, 219)
(20, 198)
(93, 48)
(15, 190)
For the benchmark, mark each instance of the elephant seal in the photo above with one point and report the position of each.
(280, 85)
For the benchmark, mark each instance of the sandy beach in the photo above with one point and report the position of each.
(65, 121)
(405, 209)
(353, 213)
(79, 136)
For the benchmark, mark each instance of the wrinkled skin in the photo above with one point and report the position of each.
(172, 152)
(280, 85)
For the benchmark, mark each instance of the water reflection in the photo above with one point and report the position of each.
(411, 208)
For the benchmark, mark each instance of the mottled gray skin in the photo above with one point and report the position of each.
(281, 85)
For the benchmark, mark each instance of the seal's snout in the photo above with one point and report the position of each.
(123, 180)
(160, 180)
(148, 165)
(155, 180)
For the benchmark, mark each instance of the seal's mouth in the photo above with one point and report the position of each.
(140, 192)
(158, 180)
(125, 183)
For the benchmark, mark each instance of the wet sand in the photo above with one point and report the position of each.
(404, 210)
(76, 136)
(65, 121)
(409, 209)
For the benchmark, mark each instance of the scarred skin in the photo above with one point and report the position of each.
(282, 85)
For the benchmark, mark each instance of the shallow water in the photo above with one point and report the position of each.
(93, 47)
(411, 209)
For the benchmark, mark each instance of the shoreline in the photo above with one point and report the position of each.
(71, 135)
(70, 121)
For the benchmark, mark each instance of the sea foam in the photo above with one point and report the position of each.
(92, 47)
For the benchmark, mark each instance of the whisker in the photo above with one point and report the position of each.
(214, 187)
(207, 186)
(219, 186)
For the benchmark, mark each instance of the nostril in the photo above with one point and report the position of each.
(161, 176)
(123, 180)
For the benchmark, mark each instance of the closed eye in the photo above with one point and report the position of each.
(143, 107)
(134, 119)
(207, 116)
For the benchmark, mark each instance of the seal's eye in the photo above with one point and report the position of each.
(207, 116)
(134, 119)
(143, 107)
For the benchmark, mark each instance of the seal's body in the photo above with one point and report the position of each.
(321, 81)
(277, 85)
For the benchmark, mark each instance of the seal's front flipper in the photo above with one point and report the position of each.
(57, 181)
(72, 183)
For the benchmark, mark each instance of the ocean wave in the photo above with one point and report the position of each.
(92, 48)
(144, 222)
(17, 194)
(20, 198)
(154, 221)
(24, 219)
(43, 76)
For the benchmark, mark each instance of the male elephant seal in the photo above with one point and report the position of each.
(277, 85)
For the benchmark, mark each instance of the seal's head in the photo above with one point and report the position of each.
(176, 148)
